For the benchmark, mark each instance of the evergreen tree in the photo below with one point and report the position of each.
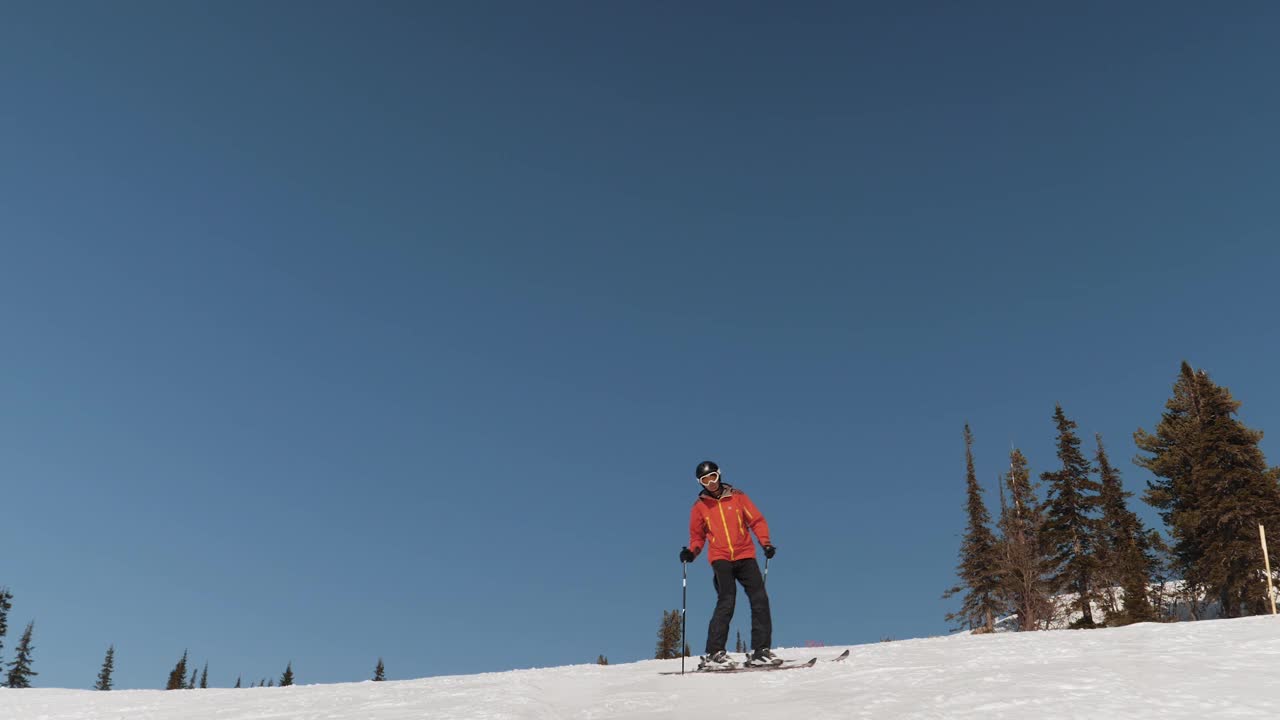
(1161, 576)
(6, 604)
(1023, 564)
(669, 636)
(20, 672)
(978, 560)
(1125, 554)
(191, 684)
(602, 660)
(262, 682)
(1213, 491)
(1070, 529)
(380, 672)
(287, 678)
(740, 646)
(271, 682)
(178, 675)
(108, 666)
(238, 678)
(204, 677)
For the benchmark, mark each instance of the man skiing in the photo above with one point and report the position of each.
(720, 519)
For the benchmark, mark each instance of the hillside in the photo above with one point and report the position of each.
(1209, 669)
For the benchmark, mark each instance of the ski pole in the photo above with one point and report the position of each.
(684, 594)
(765, 581)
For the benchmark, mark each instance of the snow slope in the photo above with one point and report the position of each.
(1208, 669)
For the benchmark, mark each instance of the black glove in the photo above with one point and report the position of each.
(687, 555)
(769, 550)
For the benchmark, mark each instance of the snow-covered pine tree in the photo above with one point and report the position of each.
(20, 672)
(1214, 490)
(1022, 561)
(178, 675)
(1126, 557)
(108, 666)
(977, 570)
(1071, 529)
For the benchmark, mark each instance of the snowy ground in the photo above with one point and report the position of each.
(1209, 669)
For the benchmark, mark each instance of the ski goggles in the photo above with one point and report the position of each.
(713, 476)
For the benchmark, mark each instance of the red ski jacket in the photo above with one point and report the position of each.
(722, 524)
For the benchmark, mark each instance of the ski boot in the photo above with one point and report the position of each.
(718, 660)
(763, 656)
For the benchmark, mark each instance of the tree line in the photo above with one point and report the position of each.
(20, 669)
(1081, 541)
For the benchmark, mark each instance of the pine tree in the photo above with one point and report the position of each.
(602, 660)
(271, 682)
(238, 678)
(262, 682)
(1070, 529)
(1125, 555)
(20, 672)
(178, 675)
(740, 646)
(108, 666)
(6, 604)
(978, 560)
(1022, 561)
(1161, 574)
(204, 677)
(380, 672)
(1213, 491)
(669, 636)
(191, 684)
(287, 678)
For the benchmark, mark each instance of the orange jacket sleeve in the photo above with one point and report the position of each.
(755, 520)
(697, 530)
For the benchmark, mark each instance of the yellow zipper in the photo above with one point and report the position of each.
(720, 504)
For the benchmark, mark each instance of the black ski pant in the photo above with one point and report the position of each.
(726, 575)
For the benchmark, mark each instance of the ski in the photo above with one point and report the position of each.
(786, 665)
(747, 668)
(788, 662)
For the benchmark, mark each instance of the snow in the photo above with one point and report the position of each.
(1207, 669)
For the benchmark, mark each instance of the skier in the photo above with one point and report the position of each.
(720, 517)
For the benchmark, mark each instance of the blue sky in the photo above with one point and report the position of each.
(334, 332)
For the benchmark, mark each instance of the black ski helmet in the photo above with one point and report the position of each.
(705, 467)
